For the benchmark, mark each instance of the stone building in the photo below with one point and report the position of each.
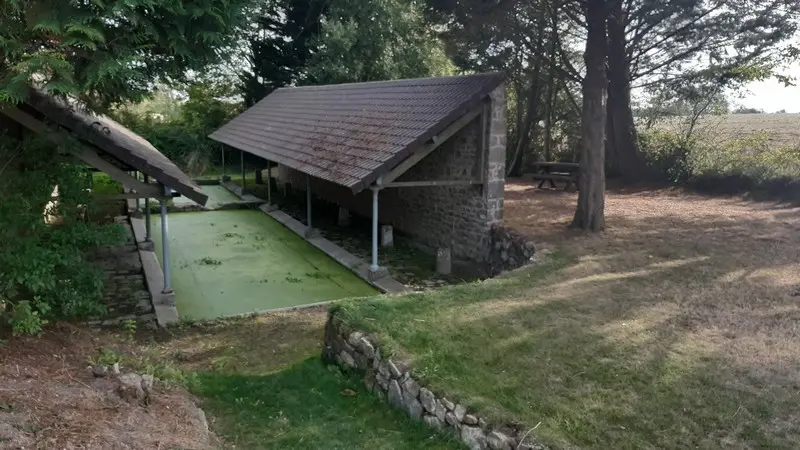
(426, 156)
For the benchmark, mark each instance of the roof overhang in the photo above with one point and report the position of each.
(109, 139)
(354, 134)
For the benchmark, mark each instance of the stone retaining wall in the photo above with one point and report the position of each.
(124, 292)
(510, 249)
(393, 381)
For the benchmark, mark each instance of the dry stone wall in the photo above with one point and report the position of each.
(510, 249)
(393, 381)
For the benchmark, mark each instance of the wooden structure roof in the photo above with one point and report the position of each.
(108, 145)
(352, 134)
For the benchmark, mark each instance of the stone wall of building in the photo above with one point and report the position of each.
(125, 292)
(456, 217)
(394, 382)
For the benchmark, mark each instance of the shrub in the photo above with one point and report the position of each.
(734, 166)
(180, 129)
(43, 270)
(668, 155)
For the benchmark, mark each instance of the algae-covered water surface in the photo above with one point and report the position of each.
(233, 262)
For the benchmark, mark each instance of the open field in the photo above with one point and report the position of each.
(675, 328)
(782, 130)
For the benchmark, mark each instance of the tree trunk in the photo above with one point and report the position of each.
(527, 133)
(589, 214)
(552, 89)
(623, 156)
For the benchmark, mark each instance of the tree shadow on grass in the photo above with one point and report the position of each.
(308, 406)
(247, 345)
(675, 328)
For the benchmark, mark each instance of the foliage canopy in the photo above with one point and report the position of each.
(376, 40)
(105, 51)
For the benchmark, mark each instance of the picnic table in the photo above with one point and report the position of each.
(550, 172)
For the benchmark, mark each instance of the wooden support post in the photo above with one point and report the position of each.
(243, 182)
(308, 203)
(269, 184)
(147, 223)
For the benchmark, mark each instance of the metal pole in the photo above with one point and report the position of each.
(308, 201)
(269, 184)
(242, 171)
(147, 224)
(165, 241)
(136, 174)
(222, 177)
(374, 266)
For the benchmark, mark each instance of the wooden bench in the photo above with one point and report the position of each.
(550, 172)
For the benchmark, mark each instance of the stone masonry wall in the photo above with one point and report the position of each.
(510, 249)
(457, 217)
(125, 292)
(393, 381)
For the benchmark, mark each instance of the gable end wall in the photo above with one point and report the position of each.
(457, 217)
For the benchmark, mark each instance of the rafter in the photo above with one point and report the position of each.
(82, 152)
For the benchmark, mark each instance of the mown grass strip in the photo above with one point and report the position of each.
(307, 406)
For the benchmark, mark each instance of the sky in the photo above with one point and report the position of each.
(771, 95)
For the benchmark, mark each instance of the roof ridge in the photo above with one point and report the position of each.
(374, 126)
(395, 81)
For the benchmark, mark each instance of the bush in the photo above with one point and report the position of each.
(734, 166)
(668, 155)
(180, 129)
(43, 271)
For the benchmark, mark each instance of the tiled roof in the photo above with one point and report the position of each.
(113, 139)
(351, 134)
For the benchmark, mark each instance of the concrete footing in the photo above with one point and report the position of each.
(163, 304)
(444, 261)
(387, 236)
(344, 217)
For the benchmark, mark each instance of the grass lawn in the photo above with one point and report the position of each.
(259, 381)
(675, 328)
(307, 406)
(263, 386)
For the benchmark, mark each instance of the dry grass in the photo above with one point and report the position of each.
(260, 381)
(258, 345)
(677, 327)
(48, 399)
(782, 129)
(697, 276)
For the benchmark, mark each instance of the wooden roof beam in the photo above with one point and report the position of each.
(427, 149)
(82, 152)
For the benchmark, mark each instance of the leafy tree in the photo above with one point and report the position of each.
(105, 51)
(280, 40)
(102, 52)
(655, 42)
(746, 110)
(532, 42)
(179, 127)
(376, 40)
